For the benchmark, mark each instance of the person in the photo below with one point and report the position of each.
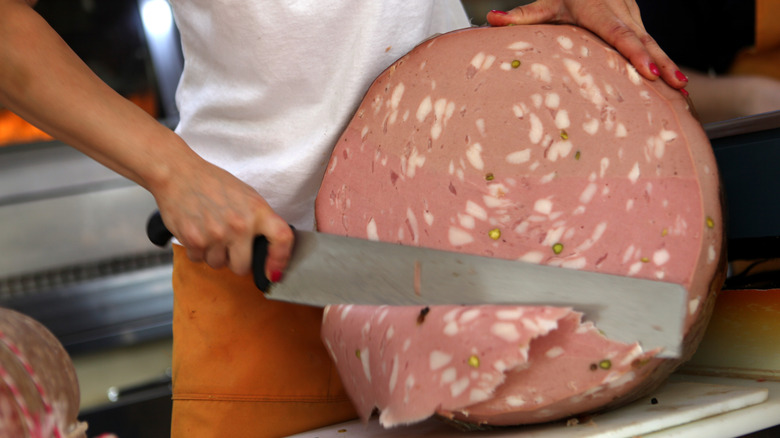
(266, 89)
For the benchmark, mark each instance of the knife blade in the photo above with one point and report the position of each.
(328, 269)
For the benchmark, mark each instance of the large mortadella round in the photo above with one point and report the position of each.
(533, 143)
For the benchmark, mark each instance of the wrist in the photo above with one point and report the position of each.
(169, 158)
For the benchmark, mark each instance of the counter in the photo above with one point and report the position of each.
(686, 407)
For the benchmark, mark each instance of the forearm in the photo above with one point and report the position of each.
(43, 81)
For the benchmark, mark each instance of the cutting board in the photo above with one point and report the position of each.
(676, 403)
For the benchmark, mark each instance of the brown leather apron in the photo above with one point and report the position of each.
(244, 366)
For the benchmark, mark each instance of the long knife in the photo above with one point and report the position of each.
(328, 269)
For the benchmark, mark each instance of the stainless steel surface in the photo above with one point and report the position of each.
(73, 229)
(686, 407)
(328, 269)
(43, 170)
(743, 125)
(118, 309)
(73, 252)
(60, 208)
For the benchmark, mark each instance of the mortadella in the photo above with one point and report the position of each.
(535, 143)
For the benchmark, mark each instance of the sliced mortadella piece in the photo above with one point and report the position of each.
(593, 364)
(534, 143)
(410, 361)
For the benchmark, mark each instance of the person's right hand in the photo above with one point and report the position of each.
(216, 217)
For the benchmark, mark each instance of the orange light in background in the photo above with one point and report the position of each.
(13, 129)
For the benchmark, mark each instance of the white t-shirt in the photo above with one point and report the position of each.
(269, 85)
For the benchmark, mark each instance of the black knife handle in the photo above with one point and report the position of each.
(259, 254)
(159, 235)
(156, 230)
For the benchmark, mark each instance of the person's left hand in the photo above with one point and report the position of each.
(616, 21)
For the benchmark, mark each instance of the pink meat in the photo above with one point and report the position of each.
(411, 362)
(537, 143)
(588, 366)
(39, 391)
(387, 364)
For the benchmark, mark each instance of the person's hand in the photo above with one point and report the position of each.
(216, 217)
(616, 21)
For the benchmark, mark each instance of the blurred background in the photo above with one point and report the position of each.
(74, 252)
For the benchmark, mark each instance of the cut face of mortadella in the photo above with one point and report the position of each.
(533, 143)
(475, 363)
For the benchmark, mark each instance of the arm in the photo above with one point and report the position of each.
(213, 214)
(616, 21)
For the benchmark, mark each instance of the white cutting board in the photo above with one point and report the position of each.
(678, 403)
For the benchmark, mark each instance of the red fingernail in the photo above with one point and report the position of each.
(654, 69)
(499, 12)
(680, 76)
(684, 92)
(276, 276)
